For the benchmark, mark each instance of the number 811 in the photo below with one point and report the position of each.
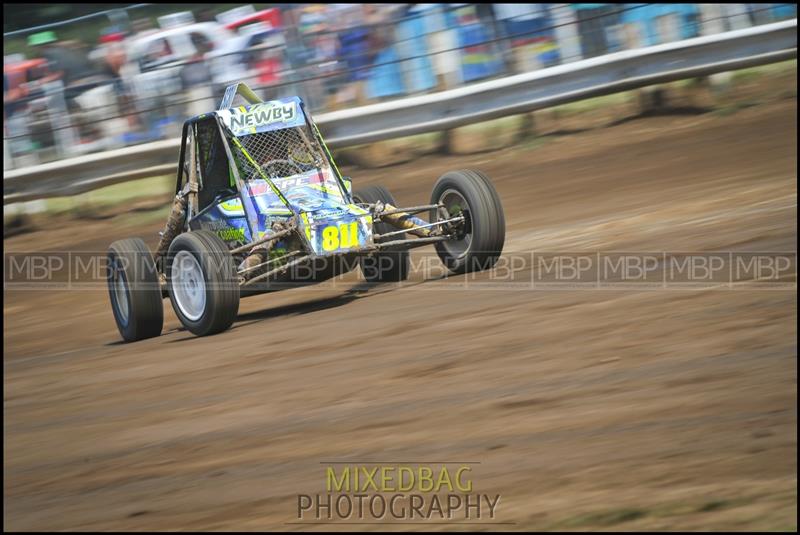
(340, 237)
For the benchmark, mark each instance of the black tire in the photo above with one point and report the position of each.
(134, 290)
(484, 233)
(390, 265)
(205, 295)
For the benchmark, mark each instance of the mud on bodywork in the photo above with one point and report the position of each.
(285, 170)
(263, 166)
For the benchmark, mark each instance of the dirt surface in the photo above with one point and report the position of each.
(584, 409)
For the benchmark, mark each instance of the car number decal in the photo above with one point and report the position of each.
(343, 236)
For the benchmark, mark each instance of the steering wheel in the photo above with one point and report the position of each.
(266, 167)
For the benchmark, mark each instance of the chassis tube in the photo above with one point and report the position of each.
(268, 238)
(426, 226)
(276, 270)
(411, 244)
(405, 221)
(410, 209)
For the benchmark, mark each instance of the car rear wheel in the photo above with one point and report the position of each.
(134, 290)
(202, 282)
(390, 265)
(479, 239)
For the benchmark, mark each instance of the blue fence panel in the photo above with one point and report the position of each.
(647, 16)
(412, 42)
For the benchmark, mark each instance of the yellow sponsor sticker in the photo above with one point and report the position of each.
(342, 236)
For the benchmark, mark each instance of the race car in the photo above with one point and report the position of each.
(261, 206)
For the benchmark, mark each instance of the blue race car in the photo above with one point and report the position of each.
(260, 206)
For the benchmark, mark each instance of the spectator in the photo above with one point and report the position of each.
(113, 61)
(112, 58)
(158, 53)
(66, 64)
(354, 47)
(385, 77)
(196, 72)
(414, 34)
(297, 52)
(20, 83)
(71, 65)
(196, 76)
(267, 60)
(322, 66)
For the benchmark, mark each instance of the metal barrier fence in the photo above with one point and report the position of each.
(433, 49)
(511, 95)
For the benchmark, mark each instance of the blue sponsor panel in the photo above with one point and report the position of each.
(647, 17)
(330, 224)
(478, 58)
(304, 191)
(385, 78)
(226, 222)
(413, 34)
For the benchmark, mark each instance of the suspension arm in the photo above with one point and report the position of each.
(274, 235)
(426, 226)
(402, 220)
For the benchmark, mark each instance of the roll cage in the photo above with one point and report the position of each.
(211, 165)
(210, 153)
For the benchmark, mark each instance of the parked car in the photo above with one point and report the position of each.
(173, 48)
(183, 63)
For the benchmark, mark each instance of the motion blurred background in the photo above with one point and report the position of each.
(644, 407)
(80, 78)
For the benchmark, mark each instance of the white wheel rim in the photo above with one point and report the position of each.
(188, 285)
(121, 295)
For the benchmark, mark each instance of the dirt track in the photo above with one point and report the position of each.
(585, 408)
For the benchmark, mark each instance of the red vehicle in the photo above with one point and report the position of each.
(261, 29)
(270, 19)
